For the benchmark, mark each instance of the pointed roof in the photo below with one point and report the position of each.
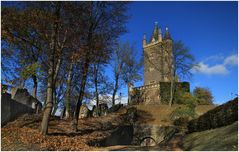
(155, 32)
(160, 30)
(167, 34)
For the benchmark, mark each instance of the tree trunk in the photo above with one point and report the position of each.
(49, 102)
(115, 89)
(83, 80)
(81, 95)
(63, 112)
(54, 100)
(54, 109)
(129, 96)
(22, 83)
(57, 69)
(96, 87)
(172, 87)
(171, 92)
(50, 83)
(34, 90)
(34, 93)
(68, 93)
(67, 114)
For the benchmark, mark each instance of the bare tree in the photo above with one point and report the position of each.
(53, 29)
(125, 66)
(48, 35)
(182, 63)
(105, 22)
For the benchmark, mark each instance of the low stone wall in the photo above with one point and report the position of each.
(23, 96)
(122, 135)
(157, 133)
(222, 115)
(10, 109)
(158, 93)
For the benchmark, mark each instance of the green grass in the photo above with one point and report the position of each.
(160, 114)
(219, 139)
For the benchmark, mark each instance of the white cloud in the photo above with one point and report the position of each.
(214, 58)
(231, 60)
(210, 70)
(217, 69)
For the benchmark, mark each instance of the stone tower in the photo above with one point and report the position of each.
(158, 71)
(158, 57)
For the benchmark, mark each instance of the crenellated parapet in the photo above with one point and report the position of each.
(151, 86)
(158, 93)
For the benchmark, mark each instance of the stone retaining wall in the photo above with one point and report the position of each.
(11, 109)
(157, 133)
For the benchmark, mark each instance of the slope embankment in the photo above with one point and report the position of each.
(219, 139)
(216, 130)
(222, 115)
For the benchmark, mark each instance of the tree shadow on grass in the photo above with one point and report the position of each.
(72, 134)
(79, 132)
(144, 117)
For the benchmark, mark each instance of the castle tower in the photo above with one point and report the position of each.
(158, 57)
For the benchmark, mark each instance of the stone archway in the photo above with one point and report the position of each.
(148, 141)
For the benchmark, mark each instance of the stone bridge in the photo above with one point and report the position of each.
(151, 135)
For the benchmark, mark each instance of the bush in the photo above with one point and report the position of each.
(188, 100)
(182, 112)
(222, 115)
(203, 96)
(180, 88)
(181, 122)
(115, 108)
(185, 112)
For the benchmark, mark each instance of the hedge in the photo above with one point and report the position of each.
(220, 116)
(180, 87)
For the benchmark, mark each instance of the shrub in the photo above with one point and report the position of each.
(180, 88)
(4, 88)
(188, 100)
(203, 96)
(188, 111)
(182, 112)
(222, 115)
(181, 122)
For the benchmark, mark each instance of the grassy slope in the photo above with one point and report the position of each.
(223, 139)
(159, 114)
(22, 134)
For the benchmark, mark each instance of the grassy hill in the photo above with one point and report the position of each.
(159, 114)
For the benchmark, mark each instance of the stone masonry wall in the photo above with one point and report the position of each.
(10, 109)
(158, 93)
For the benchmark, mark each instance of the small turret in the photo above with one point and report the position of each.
(144, 40)
(160, 35)
(155, 33)
(167, 34)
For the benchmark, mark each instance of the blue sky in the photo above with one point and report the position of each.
(209, 29)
